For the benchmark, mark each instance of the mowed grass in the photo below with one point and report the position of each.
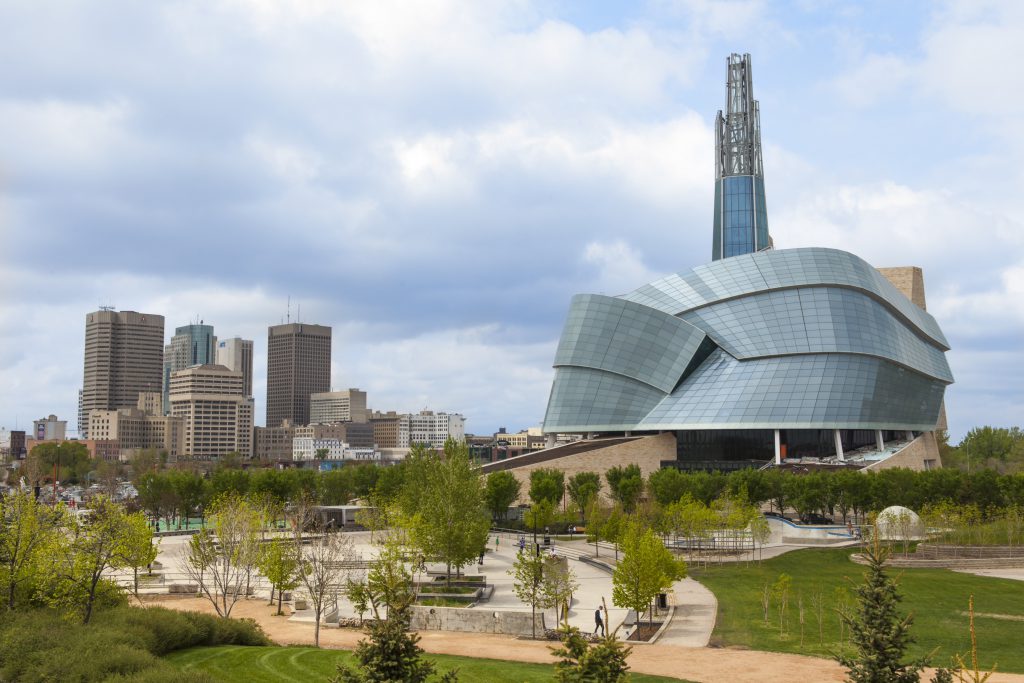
(230, 663)
(938, 599)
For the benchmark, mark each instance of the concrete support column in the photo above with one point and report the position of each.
(549, 441)
(839, 445)
(879, 441)
(910, 436)
(778, 448)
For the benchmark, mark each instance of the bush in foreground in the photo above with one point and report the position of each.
(121, 644)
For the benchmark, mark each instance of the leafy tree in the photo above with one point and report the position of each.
(190, 492)
(221, 557)
(225, 481)
(145, 461)
(389, 483)
(279, 561)
(391, 654)
(580, 662)
(97, 544)
(502, 489)
(450, 522)
(321, 453)
(646, 569)
(528, 583)
(27, 531)
(547, 484)
(388, 582)
(336, 487)
(667, 485)
(558, 585)
(626, 484)
(583, 489)
(137, 549)
(540, 515)
(878, 633)
(156, 494)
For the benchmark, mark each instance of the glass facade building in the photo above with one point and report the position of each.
(801, 340)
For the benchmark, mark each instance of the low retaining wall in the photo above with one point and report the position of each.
(909, 562)
(470, 620)
(931, 551)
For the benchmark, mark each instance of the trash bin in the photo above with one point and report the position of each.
(662, 601)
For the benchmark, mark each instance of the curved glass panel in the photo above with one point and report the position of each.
(816, 320)
(781, 269)
(583, 399)
(825, 391)
(629, 339)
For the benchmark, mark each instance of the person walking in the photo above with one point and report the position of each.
(598, 622)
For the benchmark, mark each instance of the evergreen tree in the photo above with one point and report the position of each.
(877, 631)
(579, 661)
(391, 654)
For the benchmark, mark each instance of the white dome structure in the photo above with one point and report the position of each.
(897, 523)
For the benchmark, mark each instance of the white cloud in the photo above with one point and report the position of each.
(620, 267)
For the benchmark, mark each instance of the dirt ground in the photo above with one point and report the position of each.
(707, 665)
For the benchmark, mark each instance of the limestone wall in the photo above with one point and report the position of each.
(913, 456)
(475, 620)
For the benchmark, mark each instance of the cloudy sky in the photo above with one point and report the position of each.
(436, 179)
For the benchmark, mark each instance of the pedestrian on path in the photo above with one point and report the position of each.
(598, 622)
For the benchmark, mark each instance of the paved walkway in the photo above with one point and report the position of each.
(694, 618)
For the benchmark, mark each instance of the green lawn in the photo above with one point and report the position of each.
(230, 663)
(936, 597)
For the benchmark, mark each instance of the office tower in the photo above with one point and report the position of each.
(390, 429)
(123, 357)
(298, 364)
(193, 344)
(130, 430)
(236, 354)
(217, 415)
(337, 406)
(741, 220)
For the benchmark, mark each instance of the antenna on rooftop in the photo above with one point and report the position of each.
(289, 308)
(106, 307)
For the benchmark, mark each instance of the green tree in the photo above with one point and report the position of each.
(156, 494)
(558, 585)
(321, 453)
(28, 531)
(190, 492)
(136, 548)
(221, 557)
(97, 543)
(391, 654)
(647, 568)
(450, 522)
(880, 636)
(279, 561)
(583, 489)
(580, 662)
(547, 484)
(502, 489)
(626, 484)
(667, 485)
(528, 583)
(389, 582)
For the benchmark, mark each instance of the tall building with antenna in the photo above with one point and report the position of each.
(741, 220)
(298, 364)
(123, 357)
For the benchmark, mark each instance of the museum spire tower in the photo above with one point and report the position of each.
(741, 220)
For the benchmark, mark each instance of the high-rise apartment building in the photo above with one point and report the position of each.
(298, 364)
(123, 357)
(191, 345)
(741, 220)
(337, 406)
(218, 416)
(236, 354)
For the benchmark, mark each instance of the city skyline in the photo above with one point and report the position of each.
(436, 200)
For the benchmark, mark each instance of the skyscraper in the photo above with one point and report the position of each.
(193, 344)
(298, 364)
(741, 220)
(236, 354)
(217, 417)
(123, 354)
